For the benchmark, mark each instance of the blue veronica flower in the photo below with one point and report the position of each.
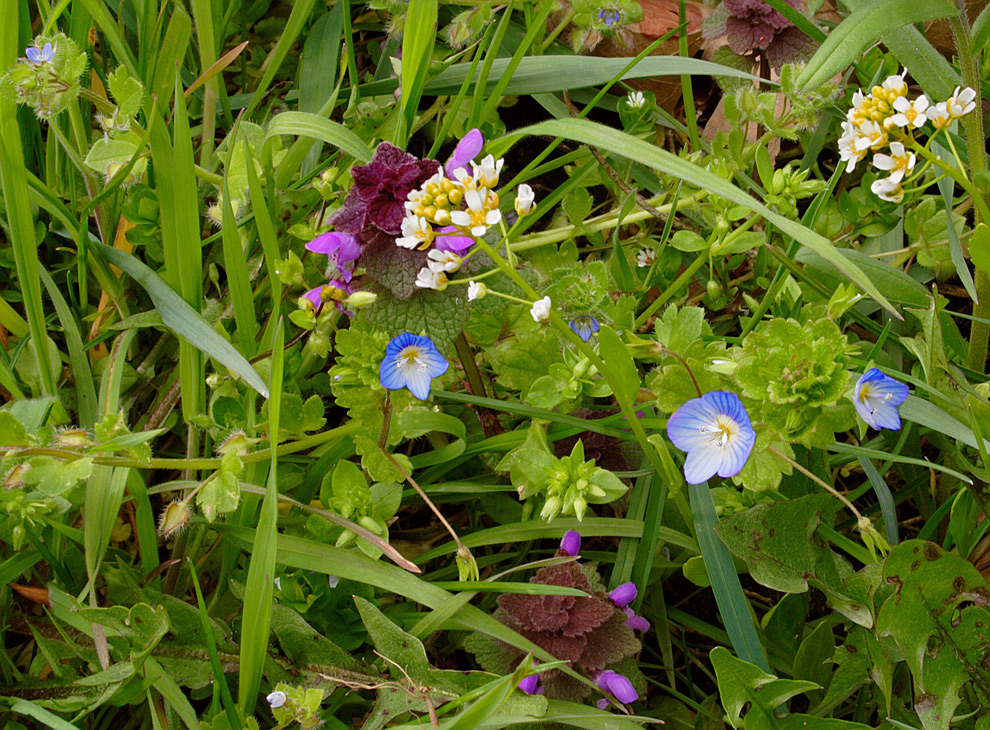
(412, 362)
(876, 398)
(609, 16)
(584, 326)
(715, 432)
(38, 56)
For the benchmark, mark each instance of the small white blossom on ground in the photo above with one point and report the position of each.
(636, 99)
(540, 310)
(476, 290)
(525, 200)
(645, 258)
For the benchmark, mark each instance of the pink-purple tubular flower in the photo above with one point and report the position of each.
(467, 149)
(618, 686)
(622, 596)
(571, 544)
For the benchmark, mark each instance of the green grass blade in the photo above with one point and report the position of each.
(418, 39)
(304, 124)
(108, 27)
(728, 591)
(318, 70)
(885, 498)
(863, 28)
(238, 279)
(261, 573)
(266, 229)
(182, 319)
(298, 18)
(43, 716)
(85, 390)
(631, 148)
(860, 451)
(171, 52)
(18, 207)
(173, 694)
(219, 677)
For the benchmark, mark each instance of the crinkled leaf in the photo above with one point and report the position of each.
(939, 619)
(438, 315)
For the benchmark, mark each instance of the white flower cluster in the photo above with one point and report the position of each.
(468, 204)
(885, 120)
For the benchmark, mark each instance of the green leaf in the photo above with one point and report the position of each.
(863, 28)
(304, 124)
(979, 247)
(438, 315)
(647, 154)
(677, 329)
(741, 683)
(128, 92)
(939, 620)
(620, 363)
(520, 360)
(779, 544)
(182, 319)
(12, 433)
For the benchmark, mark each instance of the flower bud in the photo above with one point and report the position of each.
(174, 518)
(360, 299)
(571, 544)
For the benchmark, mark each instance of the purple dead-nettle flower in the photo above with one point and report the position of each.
(616, 685)
(335, 291)
(753, 26)
(624, 594)
(571, 544)
(529, 684)
(448, 239)
(467, 149)
(376, 203)
(343, 249)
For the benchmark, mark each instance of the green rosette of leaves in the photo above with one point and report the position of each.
(795, 375)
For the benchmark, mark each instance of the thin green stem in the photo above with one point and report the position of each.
(979, 337)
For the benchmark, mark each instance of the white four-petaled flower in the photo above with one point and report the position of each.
(716, 433)
(540, 310)
(888, 189)
(961, 102)
(443, 261)
(910, 114)
(476, 290)
(416, 232)
(899, 162)
(411, 362)
(427, 278)
(524, 199)
(479, 214)
(276, 699)
(876, 397)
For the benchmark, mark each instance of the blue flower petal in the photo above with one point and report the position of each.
(716, 433)
(397, 371)
(33, 55)
(876, 397)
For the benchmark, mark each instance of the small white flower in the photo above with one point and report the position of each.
(636, 99)
(961, 102)
(525, 199)
(333, 580)
(540, 310)
(910, 114)
(898, 163)
(476, 290)
(428, 279)
(896, 84)
(872, 135)
(276, 699)
(939, 115)
(848, 151)
(645, 258)
(278, 583)
(478, 216)
(446, 261)
(887, 189)
(416, 233)
(486, 174)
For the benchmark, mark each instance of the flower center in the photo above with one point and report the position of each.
(409, 357)
(720, 432)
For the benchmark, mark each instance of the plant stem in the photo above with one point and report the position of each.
(979, 336)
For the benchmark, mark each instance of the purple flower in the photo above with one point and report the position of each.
(456, 243)
(616, 685)
(636, 623)
(571, 544)
(465, 151)
(341, 248)
(376, 203)
(624, 594)
(335, 291)
(529, 684)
